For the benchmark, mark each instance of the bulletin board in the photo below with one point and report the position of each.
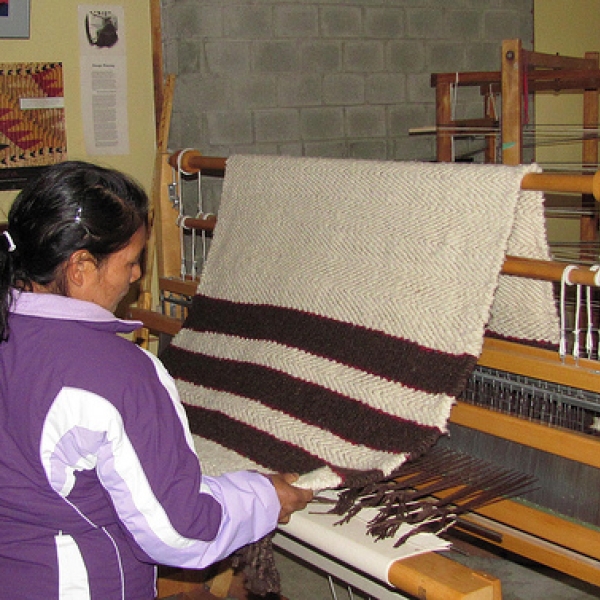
(32, 120)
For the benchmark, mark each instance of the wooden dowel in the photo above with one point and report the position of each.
(563, 182)
(192, 162)
(206, 224)
(517, 266)
(548, 271)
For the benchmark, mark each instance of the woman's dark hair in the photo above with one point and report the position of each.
(71, 206)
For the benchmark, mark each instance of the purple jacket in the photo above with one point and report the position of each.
(99, 480)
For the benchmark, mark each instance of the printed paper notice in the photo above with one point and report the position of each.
(103, 79)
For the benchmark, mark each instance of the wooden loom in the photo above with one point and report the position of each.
(522, 74)
(561, 543)
(549, 539)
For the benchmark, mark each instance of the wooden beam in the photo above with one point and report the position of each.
(434, 576)
(157, 59)
(512, 103)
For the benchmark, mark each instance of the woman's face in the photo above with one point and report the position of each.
(108, 283)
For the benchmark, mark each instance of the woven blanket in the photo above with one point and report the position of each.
(343, 307)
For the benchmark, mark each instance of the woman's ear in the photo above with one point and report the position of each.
(79, 266)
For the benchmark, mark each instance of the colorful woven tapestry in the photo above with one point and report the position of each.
(343, 307)
(32, 115)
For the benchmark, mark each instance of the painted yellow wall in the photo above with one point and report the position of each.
(54, 38)
(570, 28)
(566, 26)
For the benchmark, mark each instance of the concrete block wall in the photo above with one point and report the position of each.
(337, 78)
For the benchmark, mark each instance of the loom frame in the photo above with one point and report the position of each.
(547, 539)
(538, 535)
(522, 72)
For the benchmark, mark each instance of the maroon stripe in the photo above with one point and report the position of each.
(542, 344)
(372, 351)
(310, 403)
(260, 447)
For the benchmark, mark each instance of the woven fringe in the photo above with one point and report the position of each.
(257, 561)
(431, 493)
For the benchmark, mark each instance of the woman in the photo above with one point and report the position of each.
(98, 478)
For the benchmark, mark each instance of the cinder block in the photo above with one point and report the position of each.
(356, 75)
(424, 23)
(321, 56)
(332, 149)
(406, 56)
(343, 88)
(275, 56)
(406, 116)
(300, 89)
(498, 22)
(341, 21)
(278, 125)
(365, 122)
(190, 56)
(386, 88)
(368, 149)
(225, 56)
(321, 123)
(364, 57)
(296, 21)
(228, 127)
(210, 92)
(463, 25)
(444, 57)
(384, 23)
(248, 22)
(254, 91)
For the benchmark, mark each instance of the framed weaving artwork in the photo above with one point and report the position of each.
(14, 18)
(32, 120)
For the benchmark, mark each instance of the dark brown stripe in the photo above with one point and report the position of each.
(310, 403)
(372, 351)
(542, 344)
(258, 446)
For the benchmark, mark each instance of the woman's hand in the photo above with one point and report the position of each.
(290, 497)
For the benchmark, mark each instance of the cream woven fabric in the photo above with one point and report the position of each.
(343, 306)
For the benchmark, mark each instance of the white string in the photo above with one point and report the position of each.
(181, 218)
(180, 159)
(589, 340)
(181, 223)
(596, 269)
(453, 103)
(331, 588)
(454, 97)
(193, 259)
(492, 109)
(492, 103)
(577, 324)
(201, 216)
(564, 281)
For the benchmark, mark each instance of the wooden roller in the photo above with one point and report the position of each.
(191, 161)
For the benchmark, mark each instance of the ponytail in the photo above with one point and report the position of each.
(7, 249)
